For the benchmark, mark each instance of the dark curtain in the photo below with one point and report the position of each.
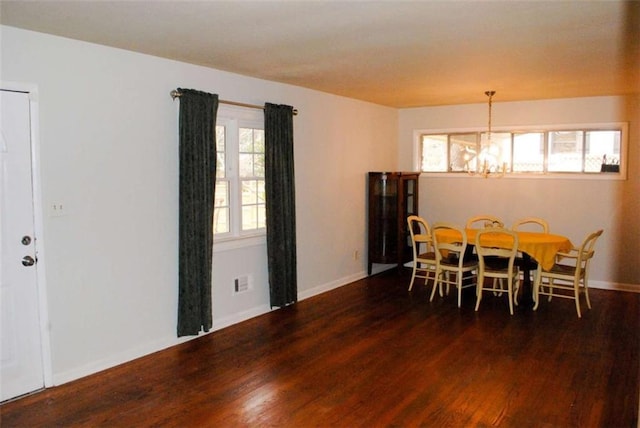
(280, 205)
(197, 185)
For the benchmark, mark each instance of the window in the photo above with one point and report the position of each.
(251, 167)
(239, 208)
(579, 150)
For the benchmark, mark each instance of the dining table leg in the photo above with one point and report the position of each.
(528, 264)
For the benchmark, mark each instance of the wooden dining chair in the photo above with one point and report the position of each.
(570, 278)
(482, 221)
(450, 260)
(529, 224)
(424, 256)
(499, 265)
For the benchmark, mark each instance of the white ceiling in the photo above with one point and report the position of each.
(394, 53)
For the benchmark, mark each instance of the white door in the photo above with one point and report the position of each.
(21, 365)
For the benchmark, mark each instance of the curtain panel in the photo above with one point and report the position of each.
(280, 205)
(197, 186)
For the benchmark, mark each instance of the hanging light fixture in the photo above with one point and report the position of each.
(489, 159)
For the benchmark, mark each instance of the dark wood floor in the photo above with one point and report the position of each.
(372, 354)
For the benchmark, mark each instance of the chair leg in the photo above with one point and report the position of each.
(536, 291)
(510, 293)
(436, 283)
(430, 275)
(448, 279)
(413, 276)
(576, 294)
(459, 286)
(479, 288)
(586, 290)
(493, 285)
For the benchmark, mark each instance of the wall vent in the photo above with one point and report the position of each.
(241, 284)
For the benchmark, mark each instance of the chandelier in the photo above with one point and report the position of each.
(488, 161)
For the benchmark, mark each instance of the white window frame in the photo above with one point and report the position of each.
(624, 142)
(234, 118)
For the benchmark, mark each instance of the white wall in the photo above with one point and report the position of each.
(108, 151)
(572, 207)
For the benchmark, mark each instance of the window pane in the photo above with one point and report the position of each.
(251, 152)
(602, 148)
(253, 207)
(258, 165)
(528, 152)
(220, 151)
(463, 149)
(246, 164)
(495, 154)
(249, 193)
(565, 151)
(434, 153)
(221, 194)
(261, 193)
(246, 140)
(251, 159)
(220, 138)
(221, 165)
(221, 208)
(258, 140)
(221, 220)
(249, 217)
(262, 216)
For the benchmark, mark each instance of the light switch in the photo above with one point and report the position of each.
(56, 209)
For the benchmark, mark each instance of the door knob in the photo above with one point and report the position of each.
(28, 261)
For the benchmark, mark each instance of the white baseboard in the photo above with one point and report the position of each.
(239, 317)
(117, 359)
(151, 347)
(331, 285)
(607, 285)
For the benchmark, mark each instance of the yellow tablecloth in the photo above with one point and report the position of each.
(542, 247)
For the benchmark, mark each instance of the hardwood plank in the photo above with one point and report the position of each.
(372, 354)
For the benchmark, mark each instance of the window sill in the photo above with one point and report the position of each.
(237, 242)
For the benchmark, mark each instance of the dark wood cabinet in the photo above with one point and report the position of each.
(393, 196)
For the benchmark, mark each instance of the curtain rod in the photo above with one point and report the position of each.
(175, 94)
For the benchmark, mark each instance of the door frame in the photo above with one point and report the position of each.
(38, 219)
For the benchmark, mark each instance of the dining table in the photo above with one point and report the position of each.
(538, 246)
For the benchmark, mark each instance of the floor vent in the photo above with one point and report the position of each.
(241, 284)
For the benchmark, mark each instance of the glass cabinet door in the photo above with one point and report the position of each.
(393, 196)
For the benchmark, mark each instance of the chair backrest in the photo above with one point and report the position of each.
(528, 223)
(485, 220)
(579, 257)
(585, 252)
(418, 226)
(508, 249)
(457, 248)
(420, 233)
